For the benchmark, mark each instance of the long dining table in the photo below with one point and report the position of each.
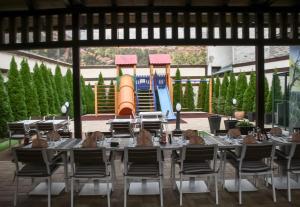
(190, 186)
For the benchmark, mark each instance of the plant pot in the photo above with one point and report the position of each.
(230, 124)
(239, 115)
(245, 130)
(268, 118)
(251, 116)
(214, 123)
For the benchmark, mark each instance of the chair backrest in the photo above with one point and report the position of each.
(295, 151)
(16, 128)
(152, 125)
(61, 117)
(256, 152)
(221, 132)
(144, 155)
(176, 133)
(121, 128)
(37, 118)
(49, 117)
(43, 126)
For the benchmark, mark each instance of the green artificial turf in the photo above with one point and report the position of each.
(4, 144)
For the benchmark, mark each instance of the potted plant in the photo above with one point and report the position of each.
(214, 122)
(245, 126)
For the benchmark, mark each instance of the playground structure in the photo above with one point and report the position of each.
(141, 93)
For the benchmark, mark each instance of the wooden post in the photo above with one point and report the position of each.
(96, 100)
(210, 95)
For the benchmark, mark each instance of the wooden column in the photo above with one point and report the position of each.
(76, 76)
(260, 69)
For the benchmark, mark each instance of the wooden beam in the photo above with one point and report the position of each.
(61, 27)
(12, 30)
(1, 30)
(49, 28)
(36, 29)
(30, 4)
(295, 25)
(222, 25)
(245, 25)
(24, 30)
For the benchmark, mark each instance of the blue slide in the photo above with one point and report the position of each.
(165, 102)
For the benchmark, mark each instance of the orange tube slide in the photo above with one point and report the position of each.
(126, 96)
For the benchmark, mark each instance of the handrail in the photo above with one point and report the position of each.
(153, 94)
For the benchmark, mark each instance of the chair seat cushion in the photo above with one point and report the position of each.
(251, 166)
(30, 170)
(295, 164)
(196, 168)
(90, 171)
(147, 170)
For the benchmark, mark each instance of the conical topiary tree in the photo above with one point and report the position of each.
(16, 92)
(101, 92)
(268, 106)
(228, 109)
(266, 91)
(120, 72)
(41, 90)
(57, 106)
(249, 95)
(111, 95)
(189, 96)
(241, 86)
(222, 94)
(201, 94)
(31, 98)
(69, 96)
(277, 87)
(216, 92)
(177, 89)
(90, 99)
(206, 102)
(83, 100)
(5, 110)
(49, 89)
(59, 82)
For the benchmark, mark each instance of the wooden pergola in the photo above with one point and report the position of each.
(34, 24)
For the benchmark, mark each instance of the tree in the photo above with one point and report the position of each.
(120, 72)
(111, 95)
(41, 90)
(101, 91)
(59, 82)
(216, 91)
(206, 102)
(90, 98)
(268, 106)
(228, 109)
(222, 94)
(31, 97)
(49, 89)
(277, 87)
(69, 96)
(83, 100)
(189, 96)
(16, 92)
(177, 91)
(266, 91)
(201, 94)
(241, 86)
(5, 110)
(249, 95)
(55, 94)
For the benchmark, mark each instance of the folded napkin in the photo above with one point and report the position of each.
(196, 140)
(38, 142)
(276, 131)
(144, 138)
(249, 139)
(53, 135)
(90, 141)
(296, 137)
(234, 133)
(187, 134)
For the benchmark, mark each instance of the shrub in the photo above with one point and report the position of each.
(222, 94)
(31, 98)
(201, 94)
(241, 86)
(111, 95)
(83, 100)
(90, 98)
(216, 92)
(206, 102)
(177, 91)
(228, 109)
(41, 90)
(59, 82)
(101, 92)
(249, 95)
(16, 92)
(57, 106)
(5, 110)
(49, 89)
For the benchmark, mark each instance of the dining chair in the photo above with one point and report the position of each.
(16, 131)
(34, 163)
(44, 127)
(197, 161)
(142, 163)
(254, 160)
(154, 127)
(121, 129)
(89, 163)
(290, 163)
